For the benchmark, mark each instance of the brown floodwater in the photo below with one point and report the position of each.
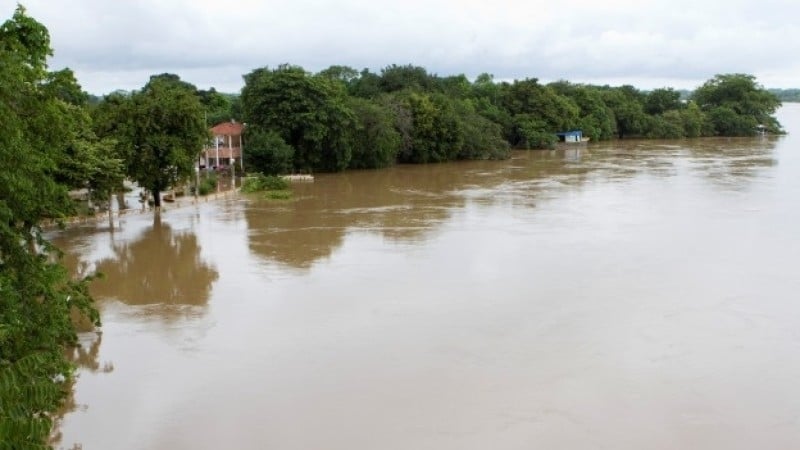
(623, 295)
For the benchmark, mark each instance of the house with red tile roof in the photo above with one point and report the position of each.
(225, 147)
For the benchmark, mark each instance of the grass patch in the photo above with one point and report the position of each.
(274, 188)
(279, 195)
(262, 183)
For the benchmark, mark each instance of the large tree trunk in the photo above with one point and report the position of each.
(157, 199)
(121, 200)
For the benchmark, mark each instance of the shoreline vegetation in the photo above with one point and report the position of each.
(56, 139)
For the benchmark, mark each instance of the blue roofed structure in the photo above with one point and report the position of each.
(570, 136)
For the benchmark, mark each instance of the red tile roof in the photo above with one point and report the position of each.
(227, 129)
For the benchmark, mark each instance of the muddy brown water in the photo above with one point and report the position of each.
(624, 295)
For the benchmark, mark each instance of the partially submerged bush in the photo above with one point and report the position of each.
(262, 183)
(208, 184)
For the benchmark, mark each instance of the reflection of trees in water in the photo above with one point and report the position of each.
(86, 357)
(401, 204)
(406, 203)
(160, 268)
(733, 161)
(725, 161)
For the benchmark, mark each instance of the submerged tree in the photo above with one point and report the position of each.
(309, 112)
(160, 132)
(737, 105)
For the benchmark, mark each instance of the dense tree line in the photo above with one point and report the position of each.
(343, 118)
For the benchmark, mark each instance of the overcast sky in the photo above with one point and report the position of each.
(118, 44)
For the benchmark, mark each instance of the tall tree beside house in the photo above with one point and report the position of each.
(40, 121)
(160, 132)
(309, 112)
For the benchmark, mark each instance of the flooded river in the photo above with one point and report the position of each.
(624, 295)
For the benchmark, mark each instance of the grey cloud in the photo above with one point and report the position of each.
(215, 43)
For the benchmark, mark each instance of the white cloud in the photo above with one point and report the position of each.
(213, 43)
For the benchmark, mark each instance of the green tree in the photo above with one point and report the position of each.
(217, 107)
(695, 123)
(87, 162)
(553, 111)
(436, 130)
(36, 293)
(267, 153)
(160, 132)
(736, 104)
(596, 118)
(659, 101)
(345, 74)
(456, 86)
(626, 103)
(397, 78)
(309, 112)
(367, 85)
(376, 141)
(480, 137)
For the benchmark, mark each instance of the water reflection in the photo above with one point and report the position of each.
(160, 268)
(401, 203)
(733, 162)
(529, 299)
(409, 203)
(86, 356)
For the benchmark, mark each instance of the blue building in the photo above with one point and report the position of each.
(572, 136)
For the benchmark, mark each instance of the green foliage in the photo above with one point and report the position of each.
(342, 118)
(376, 141)
(596, 118)
(267, 152)
(626, 104)
(668, 125)
(309, 112)
(727, 122)
(42, 120)
(208, 183)
(260, 182)
(695, 123)
(409, 77)
(541, 104)
(367, 85)
(279, 195)
(217, 107)
(159, 130)
(480, 137)
(346, 75)
(662, 100)
(436, 135)
(786, 95)
(275, 188)
(736, 104)
(529, 132)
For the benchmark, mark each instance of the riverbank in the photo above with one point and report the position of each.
(115, 214)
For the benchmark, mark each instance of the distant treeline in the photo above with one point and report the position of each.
(343, 118)
(787, 95)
